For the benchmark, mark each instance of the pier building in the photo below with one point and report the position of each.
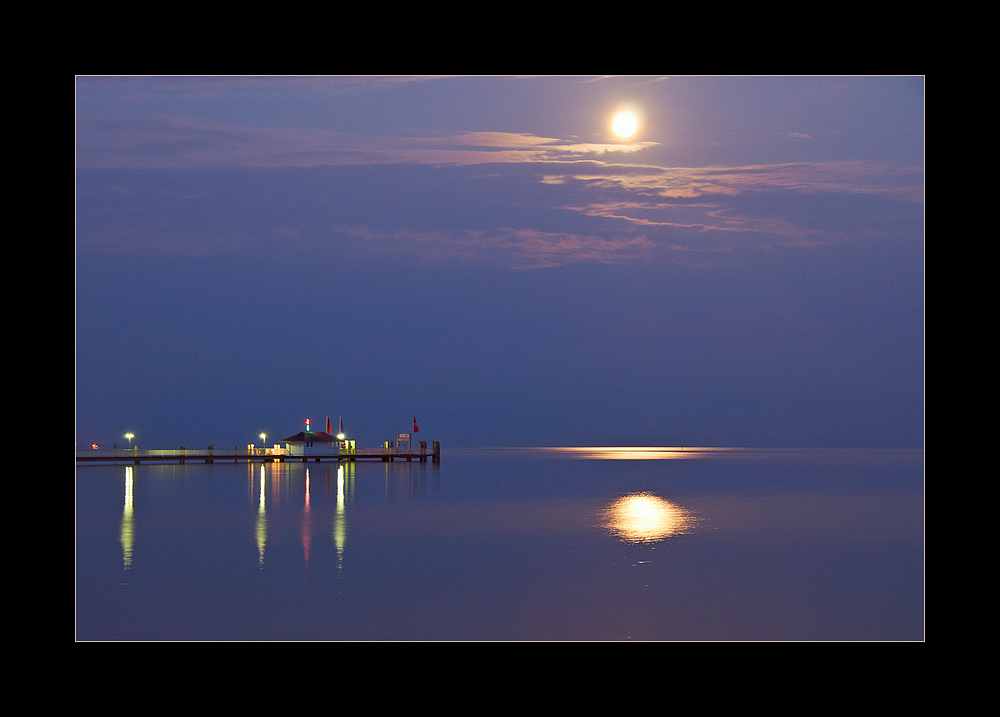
(316, 443)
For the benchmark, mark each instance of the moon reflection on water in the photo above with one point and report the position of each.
(646, 518)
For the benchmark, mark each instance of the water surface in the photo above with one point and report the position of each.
(507, 544)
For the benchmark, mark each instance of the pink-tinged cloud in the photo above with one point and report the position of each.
(710, 208)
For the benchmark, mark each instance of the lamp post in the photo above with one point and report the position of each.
(130, 436)
(262, 437)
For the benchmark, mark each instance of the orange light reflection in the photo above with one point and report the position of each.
(639, 452)
(646, 518)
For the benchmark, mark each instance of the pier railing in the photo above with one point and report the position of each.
(170, 453)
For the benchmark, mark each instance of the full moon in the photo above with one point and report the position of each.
(624, 125)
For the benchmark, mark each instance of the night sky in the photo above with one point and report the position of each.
(485, 254)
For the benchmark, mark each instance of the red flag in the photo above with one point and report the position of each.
(415, 429)
(329, 426)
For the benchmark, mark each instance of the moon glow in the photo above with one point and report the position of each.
(624, 125)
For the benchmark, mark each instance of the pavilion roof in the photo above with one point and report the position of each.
(315, 436)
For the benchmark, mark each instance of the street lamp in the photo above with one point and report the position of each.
(262, 437)
(130, 436)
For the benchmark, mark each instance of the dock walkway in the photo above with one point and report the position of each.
(237, 455)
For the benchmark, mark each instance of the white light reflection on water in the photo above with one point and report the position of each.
(261, 522)
(646, 518)
(339, 522)
(127, 533)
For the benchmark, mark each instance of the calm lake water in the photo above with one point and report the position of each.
(504, 544)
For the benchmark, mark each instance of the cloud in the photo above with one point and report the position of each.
(690, 182)
(523, 199)
(722, 208)
(177, 142)
(514, 214)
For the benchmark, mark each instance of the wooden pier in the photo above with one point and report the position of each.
(255, 455)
